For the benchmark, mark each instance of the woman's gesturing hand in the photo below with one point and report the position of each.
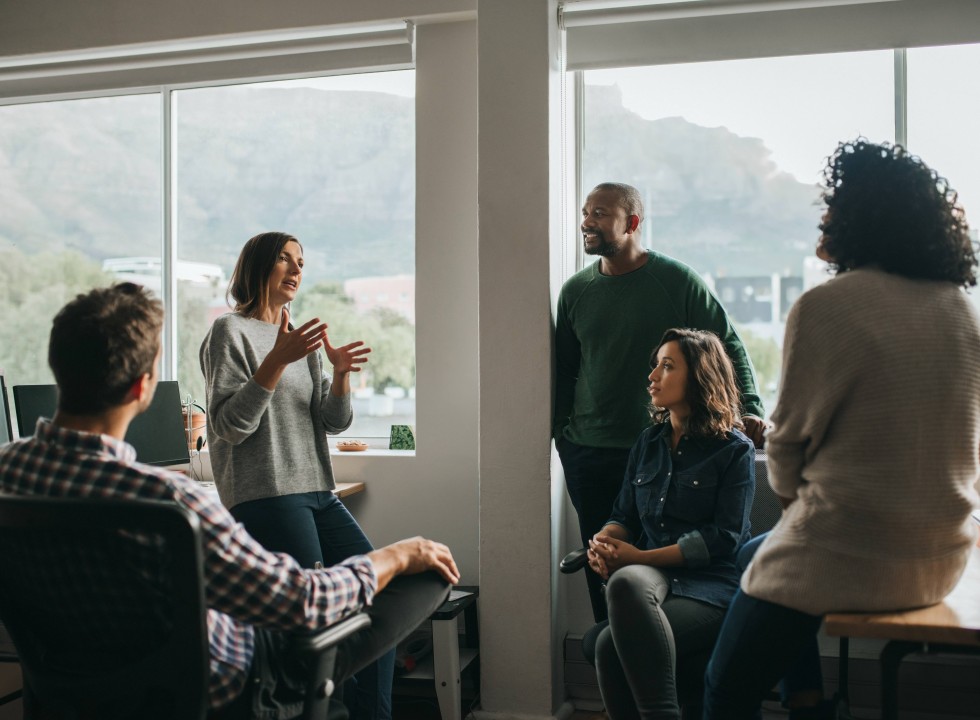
(290, 346)
(346, 358)
(293, 345)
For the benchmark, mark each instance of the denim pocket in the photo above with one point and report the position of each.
(645, 494)
(693, 493)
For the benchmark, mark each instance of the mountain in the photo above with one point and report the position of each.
(713, 199)
(337, 169)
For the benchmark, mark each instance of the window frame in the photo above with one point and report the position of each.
(372, 49)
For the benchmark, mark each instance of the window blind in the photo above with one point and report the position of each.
(620, 33)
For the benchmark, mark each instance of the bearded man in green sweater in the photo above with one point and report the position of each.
(610, 317)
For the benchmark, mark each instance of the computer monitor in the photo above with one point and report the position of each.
(158, 434)
(6, 430)
(32, 402)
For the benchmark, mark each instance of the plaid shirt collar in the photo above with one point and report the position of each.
(83, 443)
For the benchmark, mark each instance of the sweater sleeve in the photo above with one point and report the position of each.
(335, 412)
(707, 313)
(236, 402)
(807, 399)
(568, 356)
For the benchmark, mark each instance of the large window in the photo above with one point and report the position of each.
(728, 156)
(332, 162)
(80, 186)
(329, 160)
(943, 107)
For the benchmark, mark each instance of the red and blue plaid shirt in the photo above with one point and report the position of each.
(245, 585)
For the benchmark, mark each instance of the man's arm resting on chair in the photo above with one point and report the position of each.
(413, 556)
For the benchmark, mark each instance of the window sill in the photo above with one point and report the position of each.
(372, 452)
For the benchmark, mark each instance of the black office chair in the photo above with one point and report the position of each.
(130, 639)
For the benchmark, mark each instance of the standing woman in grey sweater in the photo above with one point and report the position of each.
(877, 429)
(271, 406)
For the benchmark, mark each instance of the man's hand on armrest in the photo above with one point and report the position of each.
(755, 429)
(412, 556)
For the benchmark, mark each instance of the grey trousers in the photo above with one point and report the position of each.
(650, 634)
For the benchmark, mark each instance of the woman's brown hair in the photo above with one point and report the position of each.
(249, 284)
(712, 393)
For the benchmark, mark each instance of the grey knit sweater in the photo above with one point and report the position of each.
(877, 433)
(266, 443)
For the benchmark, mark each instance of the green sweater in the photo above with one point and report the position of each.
(606, 329)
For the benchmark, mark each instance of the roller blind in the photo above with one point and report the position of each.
(209, 60)
(610, 33)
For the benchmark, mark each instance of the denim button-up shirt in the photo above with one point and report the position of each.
(698, 497)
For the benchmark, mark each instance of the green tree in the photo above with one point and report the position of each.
(33, 288)
(767, 360)
(390, 336)
(192, 319)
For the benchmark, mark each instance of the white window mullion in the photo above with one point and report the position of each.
(168, 278)
(901, 98)
(579, 162)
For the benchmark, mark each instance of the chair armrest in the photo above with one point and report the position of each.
(316, 641)
(574, 561)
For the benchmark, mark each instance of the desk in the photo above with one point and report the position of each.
(343, 490)
(951, 626)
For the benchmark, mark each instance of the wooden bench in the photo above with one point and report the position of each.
(952, 626)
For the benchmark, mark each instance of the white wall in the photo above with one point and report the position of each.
(520, 191)
(436, 492)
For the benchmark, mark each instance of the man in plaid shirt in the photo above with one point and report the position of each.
(104, 351)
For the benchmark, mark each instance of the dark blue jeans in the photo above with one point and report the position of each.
(759, 643)
(804, 673)
(316, 527)
(593, 477)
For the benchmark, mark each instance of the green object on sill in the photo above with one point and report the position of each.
(402, 438)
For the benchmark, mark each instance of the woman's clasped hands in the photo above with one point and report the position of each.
(607, 554)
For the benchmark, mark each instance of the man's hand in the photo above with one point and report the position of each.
(755, 429)
(412, 556)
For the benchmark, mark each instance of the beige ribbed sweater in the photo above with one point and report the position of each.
(877, 434)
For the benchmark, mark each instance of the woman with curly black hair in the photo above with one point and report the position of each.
(668, 552)
(877, 428)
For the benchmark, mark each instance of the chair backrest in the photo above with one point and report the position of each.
(105, 604)
(766, 508)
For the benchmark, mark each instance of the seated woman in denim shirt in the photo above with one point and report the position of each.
(668, 552)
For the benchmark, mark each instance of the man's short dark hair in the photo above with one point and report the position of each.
(628, 196)
(101, 343)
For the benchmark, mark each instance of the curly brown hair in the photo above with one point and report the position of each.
(712, 393)
(101, 343)
(249, 284)
(887, 208)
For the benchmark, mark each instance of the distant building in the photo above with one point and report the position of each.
(147, 271)
(394, 292)
(758, 298)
